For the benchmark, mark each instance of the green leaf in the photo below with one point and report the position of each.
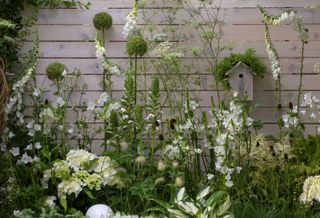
(180, 194)
(203, 193)
(177, 213)
(225, 207)
(64, 203)
(214, 198)
(88, 193)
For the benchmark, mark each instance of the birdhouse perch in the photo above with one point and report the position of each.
(241, 80)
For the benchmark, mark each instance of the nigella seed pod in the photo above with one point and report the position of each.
(161, 138)
(46, 102)
(258, 144)
(290, 105)
(156, 123)
(279, 106)
(173, 121)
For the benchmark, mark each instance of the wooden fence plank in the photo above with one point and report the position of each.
(237, 33)
(196, 3)
(117, 49)
(89, 66)
(231, 16)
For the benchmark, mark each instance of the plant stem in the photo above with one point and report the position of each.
(301, 75)
(104, 87)
(135, 78)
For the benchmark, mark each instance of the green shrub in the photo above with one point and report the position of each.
(249, 58)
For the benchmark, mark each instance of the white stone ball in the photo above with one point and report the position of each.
(99, 211)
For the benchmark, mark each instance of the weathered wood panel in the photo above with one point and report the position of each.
(286, 49)
(231, 16)
(67, 35)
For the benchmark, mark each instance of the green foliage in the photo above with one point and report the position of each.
(216, 204)
(102, 21)
(306, 156)
(154, 96)
(249, 58)
(11, 39)
(55, 71)
(136, 46)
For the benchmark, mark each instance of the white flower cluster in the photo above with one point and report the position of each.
(82, 169)
(131, 25)
(25, 158)
(159, 37)
(103, 63)
(233, 122)
(15, 103)
(311, 106)
(165, 50)
(311, 190)
(58, 102)
(273, 56)
(291, 119)
(172, 152)
(287, 17)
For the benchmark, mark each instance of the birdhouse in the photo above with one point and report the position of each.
(241, 80)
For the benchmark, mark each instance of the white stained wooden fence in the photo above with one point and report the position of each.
(67, 35)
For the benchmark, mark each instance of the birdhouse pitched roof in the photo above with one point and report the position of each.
(239, 64)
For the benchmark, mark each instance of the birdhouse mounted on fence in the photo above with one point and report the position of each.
(241, 80)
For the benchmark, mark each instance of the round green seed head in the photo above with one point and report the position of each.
(55, 71)
(136, 46)
(102, 20)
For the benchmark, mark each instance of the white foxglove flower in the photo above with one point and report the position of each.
(131, 25)
(115, 70)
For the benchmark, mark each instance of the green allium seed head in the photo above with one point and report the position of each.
(102, 20)
(136, 46)
(55, 71)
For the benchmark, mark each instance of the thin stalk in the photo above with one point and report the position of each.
(301, 75)
(135, 78)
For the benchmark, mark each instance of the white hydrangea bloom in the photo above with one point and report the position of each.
(68, 187)
(76, 158)
(311, 190)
